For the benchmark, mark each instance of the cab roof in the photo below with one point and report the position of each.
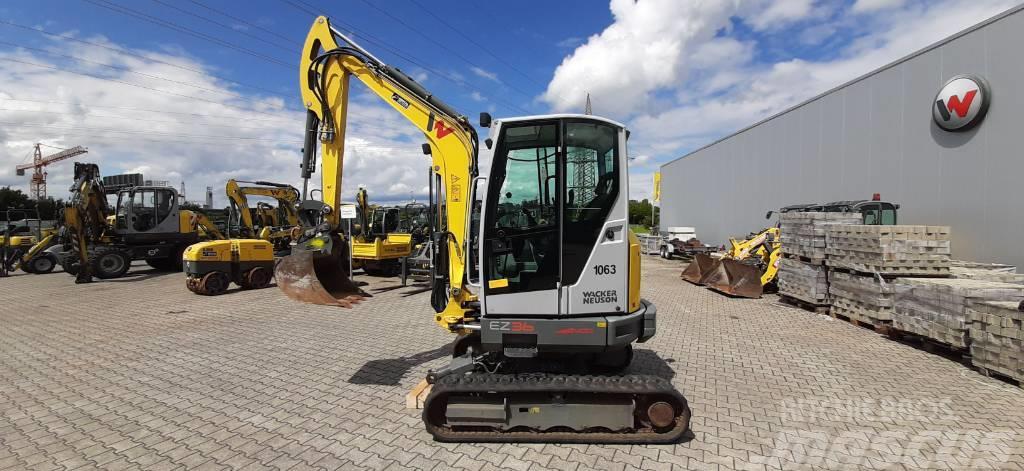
(561, 116)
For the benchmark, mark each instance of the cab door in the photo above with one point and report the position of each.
(521, 227)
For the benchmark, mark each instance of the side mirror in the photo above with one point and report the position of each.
(488, 142)
(769, 215)
(485, 120)
(426, 149)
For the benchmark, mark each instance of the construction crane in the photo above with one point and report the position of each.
(37, 186)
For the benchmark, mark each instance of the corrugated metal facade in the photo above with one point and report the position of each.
(876, 134)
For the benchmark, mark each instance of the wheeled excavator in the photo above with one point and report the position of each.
(147, 224)
(553, 297)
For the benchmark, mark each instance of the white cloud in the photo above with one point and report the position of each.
(774, 14)
(225, 133)
(674, 73)
(485, 73)
(863, 6)
(476, 96)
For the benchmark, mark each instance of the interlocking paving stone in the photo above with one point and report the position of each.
(138, 373)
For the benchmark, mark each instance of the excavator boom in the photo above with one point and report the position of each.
(329, 61)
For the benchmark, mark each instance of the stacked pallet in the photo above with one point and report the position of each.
(803, 234)
(997, 337)
(802, 271)
(936, 308)
(986, 272)
(889, 250)
(804, 281)
(865, 299)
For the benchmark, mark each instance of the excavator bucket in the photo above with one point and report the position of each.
(734, 278)
(700, 265)
(319, 276)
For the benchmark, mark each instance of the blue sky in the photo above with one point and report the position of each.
(679, 73)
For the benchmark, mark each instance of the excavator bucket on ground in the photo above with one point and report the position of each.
(700, 265)
(734, 278)
(317, 272)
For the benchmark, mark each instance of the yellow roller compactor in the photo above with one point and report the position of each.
(211, 267)
(550, 302)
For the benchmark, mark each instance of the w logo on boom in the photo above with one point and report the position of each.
(961, 103)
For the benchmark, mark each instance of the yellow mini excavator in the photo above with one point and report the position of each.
(379, 247)
(267, 223)
(552, 297)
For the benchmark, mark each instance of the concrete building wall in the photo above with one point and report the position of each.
(876, 135)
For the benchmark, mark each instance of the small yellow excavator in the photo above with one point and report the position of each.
(24, 246)
(549, 299)
(267, 222)
(379, 247)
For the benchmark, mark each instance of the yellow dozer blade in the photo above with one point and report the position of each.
(734, 278)
(701, 264)
(317, 272)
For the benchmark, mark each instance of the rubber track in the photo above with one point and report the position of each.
(512, 384)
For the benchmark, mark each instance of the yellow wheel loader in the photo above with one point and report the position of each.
(24, 244)
(744, 269)
(210, 267)
(748, 267)
(550, 299)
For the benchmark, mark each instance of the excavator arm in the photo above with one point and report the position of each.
(329, 62)
(287, 197)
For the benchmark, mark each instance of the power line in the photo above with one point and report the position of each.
(191, 32)
(438, 43)
(222, 25)
(203, 115)
(92, 131)
(140, 56)
(398, 53)
(247, 23)
(123, 69)
(232, 126)
(474, 42)
(7, 59)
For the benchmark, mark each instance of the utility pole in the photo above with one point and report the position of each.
(588, 109)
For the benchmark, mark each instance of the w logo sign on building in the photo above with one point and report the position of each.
(961, 103)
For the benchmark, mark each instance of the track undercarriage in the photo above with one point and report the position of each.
(492, 398)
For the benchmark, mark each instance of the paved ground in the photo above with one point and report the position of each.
(139, 373)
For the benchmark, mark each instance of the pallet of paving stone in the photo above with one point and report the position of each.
(936, 308)
(890, 250)
(803, 234)
(986, 271)
(809, 307)
(867, 299)
(807, 282)
(997, 338)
